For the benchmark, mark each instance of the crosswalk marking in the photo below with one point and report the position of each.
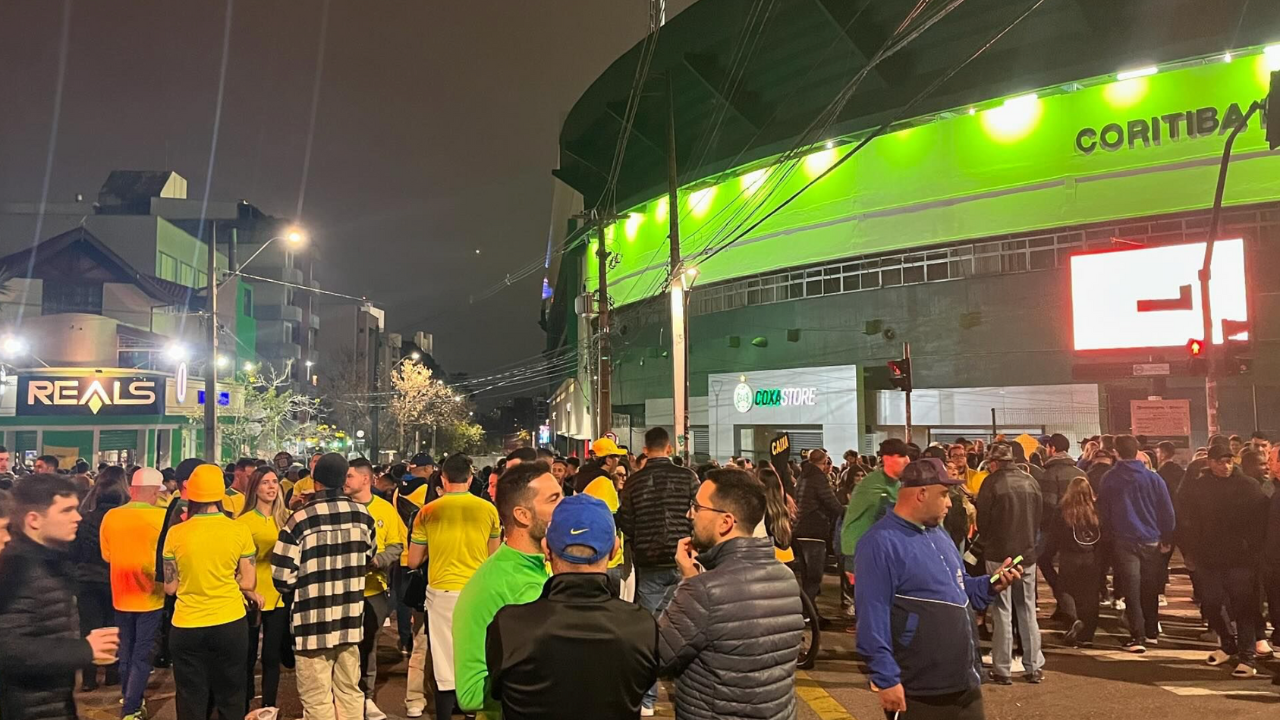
(819, 700)
(1195, 691)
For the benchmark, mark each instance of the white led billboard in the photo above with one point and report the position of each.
(1148, 298)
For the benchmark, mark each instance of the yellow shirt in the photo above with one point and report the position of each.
(208, 549)
(234, 503)
(417, 497)
(128, 539)
(602, 488)
(264, 532)
(305, 486)
(973, 481)
(456, 528)
(387, 531)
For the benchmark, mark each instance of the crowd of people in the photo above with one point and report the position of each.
(624, 568)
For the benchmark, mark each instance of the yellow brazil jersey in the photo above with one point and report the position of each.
(207, 549)
(456, 528)
(305, 486)
(264, 531)
(286, 485)
(417, 498)
(234, 504)
(602, 488)
(128, 539)
(387, 531)
(973, 481)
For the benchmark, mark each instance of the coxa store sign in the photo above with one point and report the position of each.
(745, 398)
(91, 395)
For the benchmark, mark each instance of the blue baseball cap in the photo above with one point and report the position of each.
(581, 520)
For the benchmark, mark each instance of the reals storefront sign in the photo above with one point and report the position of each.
(91, 395)
(744, 398)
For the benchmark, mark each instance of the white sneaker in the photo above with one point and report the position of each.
(1164, 601)
(1262, 648)
(266, 713)
(1016, 667)
(987, 661)
(646, 711)
(413, 712)
(1217, 657)
(1119, 604)
(1244, 671)
(371, 711)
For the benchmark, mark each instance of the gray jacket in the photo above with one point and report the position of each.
(731, 635)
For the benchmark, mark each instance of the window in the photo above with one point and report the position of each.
(62, 297)
(186, 275)
(167, 267)
(248, 302)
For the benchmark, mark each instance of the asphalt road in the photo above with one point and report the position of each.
(1171, 682)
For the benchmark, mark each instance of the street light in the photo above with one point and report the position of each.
(249, 367)
(176, 351)
(294, 236)
(415, 355)
(223, 361)
(13, 346)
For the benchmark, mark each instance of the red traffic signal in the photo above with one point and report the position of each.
(1195, 348)
(900, 374)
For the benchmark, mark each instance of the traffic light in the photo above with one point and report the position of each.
(1197, 363)
(1236, 348)
(900, 374)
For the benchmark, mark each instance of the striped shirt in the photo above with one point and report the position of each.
(322, 556)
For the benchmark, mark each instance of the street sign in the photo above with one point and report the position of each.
(1150, 369)
(1162, 420)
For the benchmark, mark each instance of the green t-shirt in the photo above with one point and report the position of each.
(871, 499)
(508, 577)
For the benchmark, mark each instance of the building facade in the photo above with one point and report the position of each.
(955, 231)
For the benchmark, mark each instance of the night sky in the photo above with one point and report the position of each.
(435, 135)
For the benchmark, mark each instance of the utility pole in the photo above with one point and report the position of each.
(604, 407)
(906, 354)
(211, 446)
(1215, 223)
(679, 319)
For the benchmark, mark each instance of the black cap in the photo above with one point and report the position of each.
(421, 460)
(331, 471)
(1217, 452)
(894, 446)
(926, 471)
(185, 467)
(1059, 442)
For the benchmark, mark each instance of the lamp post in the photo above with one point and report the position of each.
(211, 447)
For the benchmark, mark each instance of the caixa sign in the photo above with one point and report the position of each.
(91, 395)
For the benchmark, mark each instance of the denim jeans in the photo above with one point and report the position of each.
(1138, 571)
(654, 588)
(811, 555)
(1020, 598)
(138, 632)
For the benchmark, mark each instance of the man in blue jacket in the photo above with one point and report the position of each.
(1136, 514)
(915, 628)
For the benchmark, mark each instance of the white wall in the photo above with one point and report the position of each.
(835, 405)
(1069, 409)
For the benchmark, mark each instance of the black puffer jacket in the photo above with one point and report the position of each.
(816, 507)
(653, 511)
(40, 643)
(731, 635)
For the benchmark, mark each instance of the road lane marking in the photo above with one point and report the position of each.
(1189, 691)
(819, 700)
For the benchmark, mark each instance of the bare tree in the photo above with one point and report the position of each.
(347, 391)
(422, 402)
(265, 415)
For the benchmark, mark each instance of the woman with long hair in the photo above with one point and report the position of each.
(1075, 535)
(264, 514)
(93, 600)
(209, 565)
(777, 518)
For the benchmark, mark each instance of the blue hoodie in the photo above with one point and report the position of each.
(1134, 504)
(913, 598)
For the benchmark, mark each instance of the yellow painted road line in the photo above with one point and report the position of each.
(819, 700)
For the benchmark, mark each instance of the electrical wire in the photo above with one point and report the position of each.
(902, 113)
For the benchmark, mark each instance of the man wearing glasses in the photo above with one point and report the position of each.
(731, 634)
